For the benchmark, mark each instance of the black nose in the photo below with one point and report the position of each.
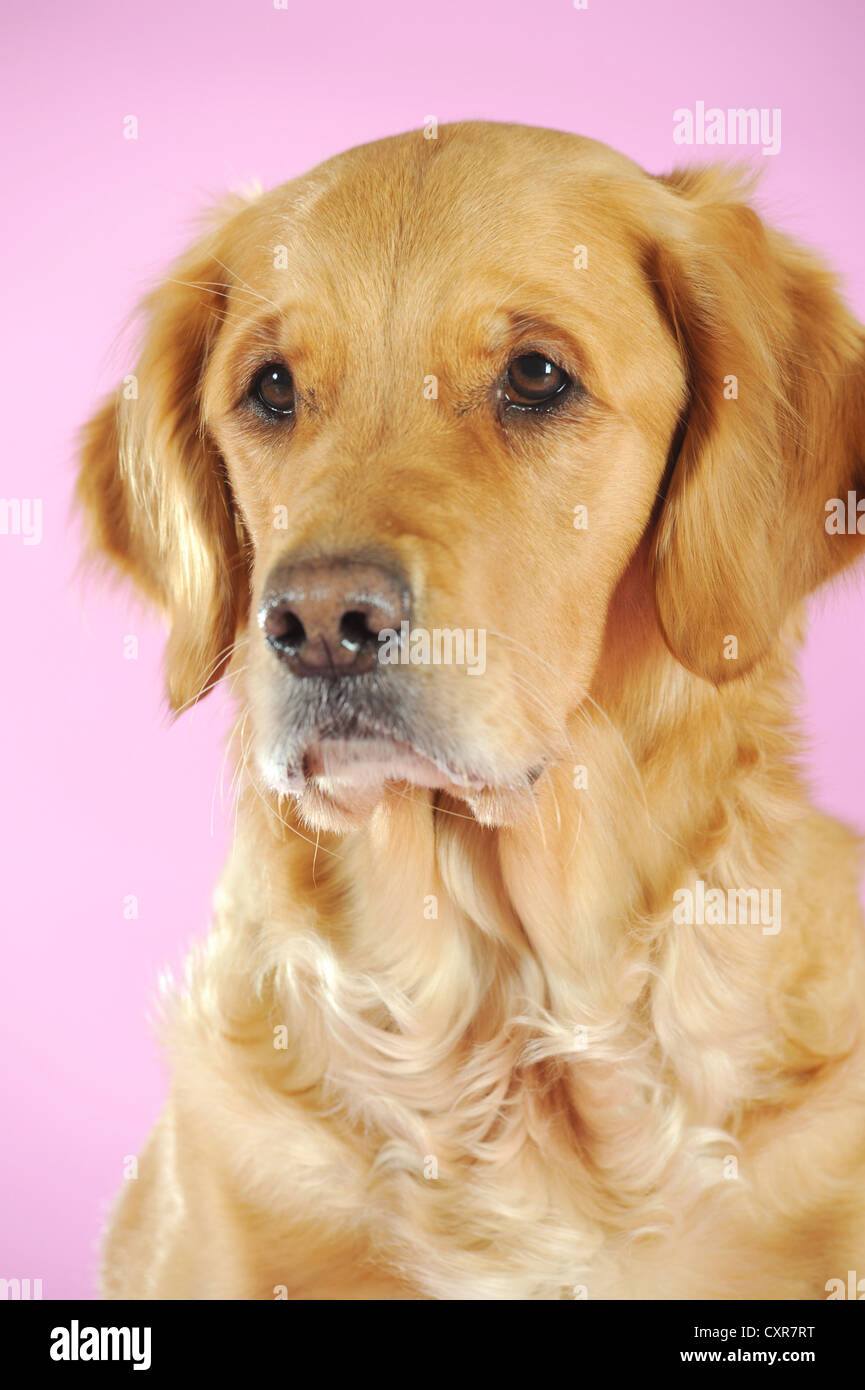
(323, 617)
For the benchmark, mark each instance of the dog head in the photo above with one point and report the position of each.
(403, 426)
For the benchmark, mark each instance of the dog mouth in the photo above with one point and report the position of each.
(347, 746)
(367, 761)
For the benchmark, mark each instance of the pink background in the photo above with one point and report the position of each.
(101, 798)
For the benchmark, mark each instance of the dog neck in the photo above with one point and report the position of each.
(565, 918)
(526, 990)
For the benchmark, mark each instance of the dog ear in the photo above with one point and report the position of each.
(153, 486)
(774, 428)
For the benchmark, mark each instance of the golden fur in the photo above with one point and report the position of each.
(507, 1072)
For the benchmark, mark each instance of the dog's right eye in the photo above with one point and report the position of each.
(534, 381)
(272, 390)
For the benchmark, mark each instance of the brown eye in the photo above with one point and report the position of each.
(533, 380)
(273, 389)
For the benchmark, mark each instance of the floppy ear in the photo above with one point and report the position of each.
(154, 488)
(774, 428)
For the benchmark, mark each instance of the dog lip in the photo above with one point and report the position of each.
(369, 759)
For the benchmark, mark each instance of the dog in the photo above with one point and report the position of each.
(533, 976)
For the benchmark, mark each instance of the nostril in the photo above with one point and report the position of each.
(284, 630)
(355, 631)
(324, 616)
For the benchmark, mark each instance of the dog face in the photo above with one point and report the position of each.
(422, 403)
(406, 426)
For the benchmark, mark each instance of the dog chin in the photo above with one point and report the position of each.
(337, 784)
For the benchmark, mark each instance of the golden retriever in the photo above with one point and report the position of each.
(533, 974)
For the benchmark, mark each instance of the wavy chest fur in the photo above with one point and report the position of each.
(493, 1062)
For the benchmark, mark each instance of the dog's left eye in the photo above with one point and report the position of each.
(273, 390)
(533, 380)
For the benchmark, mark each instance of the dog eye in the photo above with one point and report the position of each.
(533, 380)
(273, 389)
